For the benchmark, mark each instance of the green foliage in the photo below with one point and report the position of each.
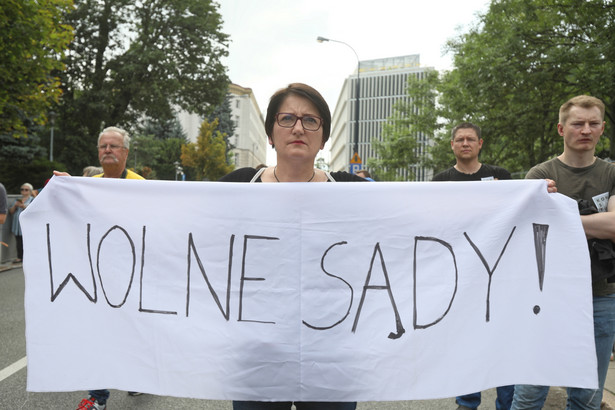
(158, 147)
(522, 62)
(227, 126)
(512, 72)
(134, 59)
(207, 156)
(32, 40)
(413, 121)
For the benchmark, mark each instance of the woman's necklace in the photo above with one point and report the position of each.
(276, 177)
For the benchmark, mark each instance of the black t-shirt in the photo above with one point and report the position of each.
(246, 175)
(485, 173)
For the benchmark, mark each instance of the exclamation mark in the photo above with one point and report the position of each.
(540, 243)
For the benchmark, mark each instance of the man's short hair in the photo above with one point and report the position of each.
(583, 101)
(365, 173)
(122, 132)
(465, 125)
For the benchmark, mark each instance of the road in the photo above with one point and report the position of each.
(13, 372)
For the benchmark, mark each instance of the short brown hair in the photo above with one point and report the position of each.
(465, 125)
(583, 101)
(304, 91)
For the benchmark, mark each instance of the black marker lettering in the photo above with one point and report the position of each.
(141, 308)
(399, 326)
(191, 248)
(489, 270)
(450, 248)
(55, 293)
(322, 266)
(245, 278)
(132, 273)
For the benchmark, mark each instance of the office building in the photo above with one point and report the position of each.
(383, 82)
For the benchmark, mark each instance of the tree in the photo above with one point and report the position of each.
(206, 156)
(32, 40)
(412, 122)
(514, 70)
(134, 59)
(227, 126)
(159, 145)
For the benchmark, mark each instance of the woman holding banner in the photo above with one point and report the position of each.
(298, 125)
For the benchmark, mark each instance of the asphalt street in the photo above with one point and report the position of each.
(13, 372)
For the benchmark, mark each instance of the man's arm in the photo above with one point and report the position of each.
(602, 224)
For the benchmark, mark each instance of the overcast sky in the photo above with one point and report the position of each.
(273, 42)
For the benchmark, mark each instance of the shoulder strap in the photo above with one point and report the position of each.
(257, 175)
(330, 177)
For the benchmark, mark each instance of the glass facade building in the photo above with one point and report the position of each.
(383, 83)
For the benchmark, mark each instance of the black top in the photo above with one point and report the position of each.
(485, 172)
(246, 175)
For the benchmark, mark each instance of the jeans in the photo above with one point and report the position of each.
(101, 396)
(286, 405)
(502, 402)
(19, 243)
(528, 397)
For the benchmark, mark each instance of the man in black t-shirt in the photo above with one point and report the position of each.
(466, 143)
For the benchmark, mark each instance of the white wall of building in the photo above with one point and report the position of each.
(249, 139)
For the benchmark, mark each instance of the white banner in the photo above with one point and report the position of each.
(328, 292)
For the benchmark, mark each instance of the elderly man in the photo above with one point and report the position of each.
(113, 148)
(113, 145)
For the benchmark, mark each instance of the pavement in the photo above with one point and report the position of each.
(13, 394)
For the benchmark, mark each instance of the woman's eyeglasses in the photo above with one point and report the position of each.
(308, 122)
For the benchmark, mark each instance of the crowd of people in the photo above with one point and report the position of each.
(298, 124)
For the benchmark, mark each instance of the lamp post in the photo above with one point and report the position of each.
(135, 145)
(52, 121)
(178, 170)
(357, 92)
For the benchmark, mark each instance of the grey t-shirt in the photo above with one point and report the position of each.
(595, 183)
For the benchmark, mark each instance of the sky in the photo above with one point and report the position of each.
(273, 42)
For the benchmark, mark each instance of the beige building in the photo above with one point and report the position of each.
(383, 82)
(249, 140)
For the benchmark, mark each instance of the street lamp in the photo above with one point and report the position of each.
(52, 121)
(178, 170)
(135, 144)
(357, 91)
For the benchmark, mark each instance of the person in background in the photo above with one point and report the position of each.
(363, 173)
(3, 204)
(582, 176)
(18, 207)
(113, 147)
(298, 124)
(466, 143)
(91, 170)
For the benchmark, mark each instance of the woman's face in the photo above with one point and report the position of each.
(297, 142)
(25, 191)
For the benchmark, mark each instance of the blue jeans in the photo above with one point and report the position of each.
(528, 397)
(286, 405)
(101, 396)
(502, 401)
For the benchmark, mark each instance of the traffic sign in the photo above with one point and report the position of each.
(356, 159)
